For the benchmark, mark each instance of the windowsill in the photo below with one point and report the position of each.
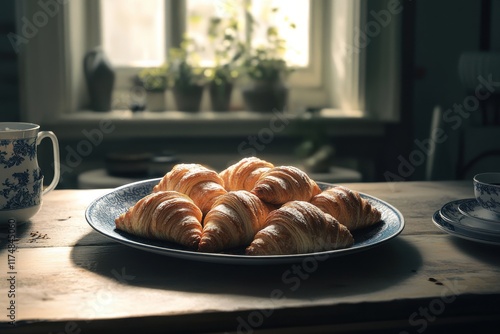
(215, 124)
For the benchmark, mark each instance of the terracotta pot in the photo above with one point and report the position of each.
(265, 96)
(188, 98)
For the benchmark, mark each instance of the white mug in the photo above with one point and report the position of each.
(21, 180)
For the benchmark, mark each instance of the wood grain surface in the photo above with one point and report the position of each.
(70, 279)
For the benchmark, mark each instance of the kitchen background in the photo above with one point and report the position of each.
(435, 34)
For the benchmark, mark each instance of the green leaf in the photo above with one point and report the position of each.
(272, 31)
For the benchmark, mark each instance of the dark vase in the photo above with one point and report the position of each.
(220, 96)
(188, 98)
(265, 96)
(100, 78)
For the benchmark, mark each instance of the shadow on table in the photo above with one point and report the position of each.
(481, 252)
(20, 231)
(375, 269)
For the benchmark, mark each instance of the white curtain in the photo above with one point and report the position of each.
(364, 57)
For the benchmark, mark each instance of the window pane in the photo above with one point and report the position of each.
(199, 14)
(296, 13)
(288, 13)
(133, 32)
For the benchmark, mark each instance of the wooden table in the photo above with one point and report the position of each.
(70, 279)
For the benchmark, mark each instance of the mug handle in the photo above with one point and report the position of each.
(55, 146)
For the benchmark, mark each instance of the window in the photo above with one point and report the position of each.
(142, 24)
(136, 34)
(133, 32)
(329, 78)
(291, 21)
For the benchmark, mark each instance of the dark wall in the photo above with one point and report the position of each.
(9, 90)
(435, 33)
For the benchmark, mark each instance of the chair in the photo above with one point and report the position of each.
(441, 157)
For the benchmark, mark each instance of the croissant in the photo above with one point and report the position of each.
(243, 174)
(283, 184)
(164, 215)
(347, 207)
(233, 221)
(198, 182)
(299, 227)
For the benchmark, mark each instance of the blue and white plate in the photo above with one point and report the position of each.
(450, 212)
(472, 208)
(101, 214)
(458, 231)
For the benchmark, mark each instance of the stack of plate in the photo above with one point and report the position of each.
(466, 218)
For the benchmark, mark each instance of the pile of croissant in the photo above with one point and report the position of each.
(253, 204)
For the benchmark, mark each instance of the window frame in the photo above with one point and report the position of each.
(175, 13)
(53, 89)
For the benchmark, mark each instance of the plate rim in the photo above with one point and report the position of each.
(437, 216)
(481, 230)
(471, 216)
(237, 258)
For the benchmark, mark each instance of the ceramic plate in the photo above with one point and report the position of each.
(472, 208)
(101, 214)
(452, 214)
(458, 231)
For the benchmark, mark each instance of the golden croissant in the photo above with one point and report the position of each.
(164, 215)
(233, 221)
(299, 227)
(348, 207)
(243, 174)
(283, 184)
(198, 182)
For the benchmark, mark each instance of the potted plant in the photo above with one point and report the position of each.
(223, 34)
(154, 82)
(266, 71)
(267, 89)
(185, 78)
(220, 87)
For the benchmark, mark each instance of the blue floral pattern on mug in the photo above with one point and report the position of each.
(22, 195)
(20, 181)
(22, 185)
(22, 149)
(37, 174)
